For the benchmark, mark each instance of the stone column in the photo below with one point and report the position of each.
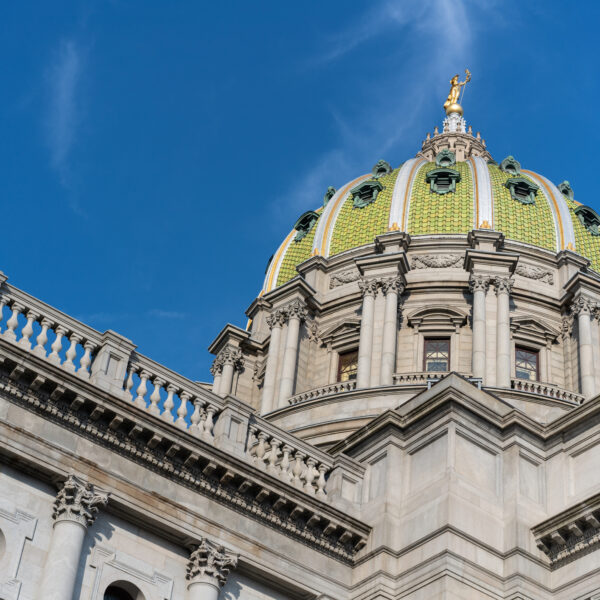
(584, 308)
(391, 287)
(217, 372)
(503, 288)
(75, 510)
(296, 312)
(207, 570)
(478, 284)
(368, 287)
(231, 360)
(275, 322)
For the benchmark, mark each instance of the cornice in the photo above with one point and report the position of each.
(230, 333)
(176, 454)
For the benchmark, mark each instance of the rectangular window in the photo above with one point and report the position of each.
(527, 364)
(437, 355)
(347, 366)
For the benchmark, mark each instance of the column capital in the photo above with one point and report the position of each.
(368, 286)
(503, 285)
(296, 309)
(479, 282)
(78, 501)
(210, 563)
(584, 305)
(277, 318)
(392, 284)
(232, 355)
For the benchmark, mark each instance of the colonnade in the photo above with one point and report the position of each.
(75, 509)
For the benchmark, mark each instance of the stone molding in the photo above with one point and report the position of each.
(188, 461)
(210, 562)
(503, 285)
(437, 261)
(537, 273)
(479, 282)
(78, 501)
(343, 277)
(229, 355)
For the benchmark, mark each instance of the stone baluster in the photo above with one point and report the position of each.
(75, 510)
(503, 289)
(296, 312)
(275, 321)
(209, 419)
(57, 345)
(231, 359)
(153, 407)
(167, 414)
(42, 338)
(273, 455)
(478, 285)
(368, 288)
(3, 302)
(261, 448)
(392, 288)
(584, 308)
(27, 330)
(197, 426)
(129, 382)
(321, 482)
(142, 390)
(12, 323)
(71, 353)
(207, 570)
(86, 360)
(298, 468)
(182, 410)
(284, 465)
(309, 475)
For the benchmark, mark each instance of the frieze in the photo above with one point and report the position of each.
(537, 273)
(437, 261)
(343, 277)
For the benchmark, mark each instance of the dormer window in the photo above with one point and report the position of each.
(365, 193)
(381, 168)
(522, 189)
(511, 166)
(304, 224)
(445, 158)
(442, 180)
(589, 219)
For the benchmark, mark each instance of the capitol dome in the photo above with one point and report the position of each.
(451, 187)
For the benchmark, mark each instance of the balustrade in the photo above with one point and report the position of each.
(545, 389)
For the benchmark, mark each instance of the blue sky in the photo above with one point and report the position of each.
(154, 154)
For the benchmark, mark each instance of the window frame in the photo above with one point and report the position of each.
(446, 339)
(531, 350)
(348, 352)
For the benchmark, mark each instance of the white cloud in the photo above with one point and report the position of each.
(64, 111)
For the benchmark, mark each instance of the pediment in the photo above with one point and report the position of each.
(533, 328)
(342, 332)
(437, 317)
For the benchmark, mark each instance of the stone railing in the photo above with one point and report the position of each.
(288, 458)
(546, 390)
(46, 332)
(170, 396)
(326, 390)
(418, 378)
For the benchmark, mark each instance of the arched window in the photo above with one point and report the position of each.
(122, 590)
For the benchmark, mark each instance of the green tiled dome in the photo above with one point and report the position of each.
(415, 198)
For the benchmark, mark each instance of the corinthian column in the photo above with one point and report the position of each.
(75, 509)
(503, 288)
(478, 284)
(391, 287)
(296, 313)
(207, 570)
(368, 287)
(584, 309)
(231, 360)
(275, 322)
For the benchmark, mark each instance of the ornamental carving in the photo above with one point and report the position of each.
(566, 328)
(392, 284)
(296, 310)
(368, 287)
(229, 355)
(277, 318)
(209, 561)
(584, 305)
(343, 278)
(479, 283)
(78, 501)
(313, 332)
(437, 261)
(381, 168)
(503, 285)
(543, 275)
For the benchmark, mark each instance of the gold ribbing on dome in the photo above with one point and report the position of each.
(452, 105)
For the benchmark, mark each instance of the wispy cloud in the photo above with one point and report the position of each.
(435, 40)
(64, 111)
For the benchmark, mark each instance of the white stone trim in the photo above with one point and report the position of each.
(112, 566)
(17, 527)
(275, 265)
(400, 192)
(408, 194)
(556, 201)
(482, 192)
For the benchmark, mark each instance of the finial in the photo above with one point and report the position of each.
(452, 102)
(394, 227)
(485, 225)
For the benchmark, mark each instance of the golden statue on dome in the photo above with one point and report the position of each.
(451, 105)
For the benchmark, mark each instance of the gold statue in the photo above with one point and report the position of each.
(451, 104)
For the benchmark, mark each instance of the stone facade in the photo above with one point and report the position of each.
(282, 480)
